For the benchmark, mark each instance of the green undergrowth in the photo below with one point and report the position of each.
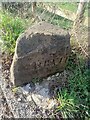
(74, 100)
(54, 19)
(69, 6)
(11, 27)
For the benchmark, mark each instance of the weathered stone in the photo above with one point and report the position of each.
(41, 51)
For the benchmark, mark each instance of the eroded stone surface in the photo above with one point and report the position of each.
(41, 51)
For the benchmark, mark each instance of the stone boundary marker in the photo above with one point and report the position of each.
(41, 51)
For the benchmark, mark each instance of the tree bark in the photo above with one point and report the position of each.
(80, 13)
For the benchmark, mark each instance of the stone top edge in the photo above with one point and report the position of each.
(46, 28)
(39, 29)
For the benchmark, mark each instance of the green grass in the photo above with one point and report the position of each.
(11, 28)
(55, 19)
(71, 7)
(75, 99)
(62, 22)
(65, 5)
(68, 6)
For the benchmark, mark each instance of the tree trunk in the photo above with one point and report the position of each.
(80, 13)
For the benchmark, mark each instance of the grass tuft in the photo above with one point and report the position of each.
(74, 101)
(11, 28)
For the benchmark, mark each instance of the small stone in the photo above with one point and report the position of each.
(22, 91)
(53, 76)
(49, 78)
(25, 92)
(19, 99)
(52, 103)
(29, 98)
(57, 74)
(44, 92)
(27, 87)
(36, 99)
(6, 71)
(37, 87)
